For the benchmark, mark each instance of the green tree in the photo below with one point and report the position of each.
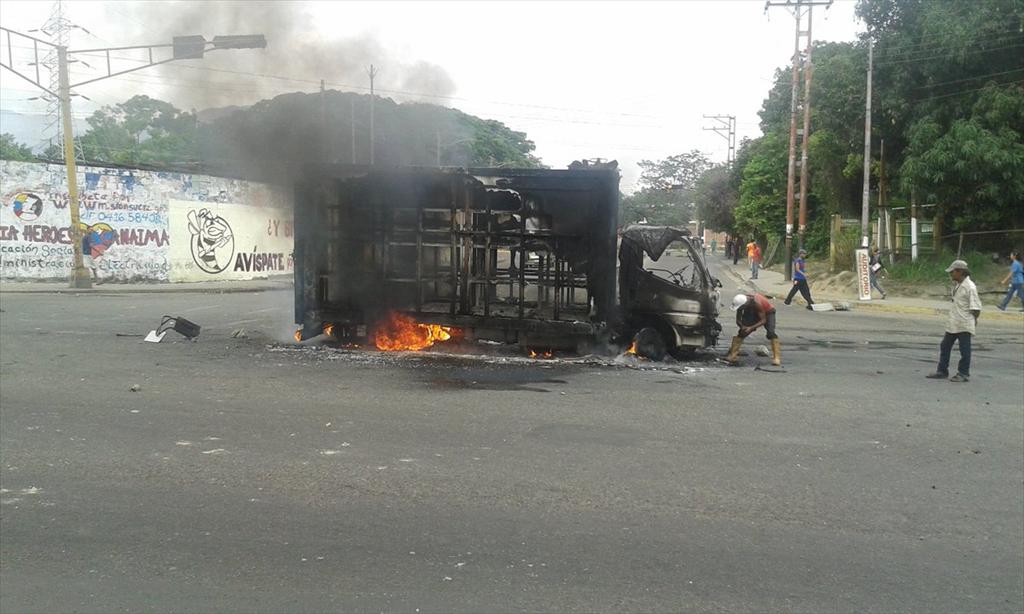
(12, 150)
(667, 190)
(974, 167)
(657, 207)
(141, 130)
(947, 91)
(761, 211)
(949, 82)
(678, 172)
(717, 197)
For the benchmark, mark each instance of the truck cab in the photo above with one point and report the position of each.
(666, 292)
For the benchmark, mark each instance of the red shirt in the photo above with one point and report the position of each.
(765, 304)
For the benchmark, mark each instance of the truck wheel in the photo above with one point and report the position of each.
(684, 353)
(650, 344)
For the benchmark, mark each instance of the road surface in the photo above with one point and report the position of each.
(247, 474)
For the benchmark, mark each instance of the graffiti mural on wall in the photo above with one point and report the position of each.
(212, 243)
(220, 236)
(126, 214)
(28, 207)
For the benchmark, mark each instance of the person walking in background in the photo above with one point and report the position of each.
(736, 251)
(1016, 280)
(714, 246)
(875, 270)
(87, 257)
(753, 259)
(800, 280)
(963, 319)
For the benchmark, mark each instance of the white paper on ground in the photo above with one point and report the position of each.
(152, 337)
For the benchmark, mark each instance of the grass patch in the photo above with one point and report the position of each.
(933, 269)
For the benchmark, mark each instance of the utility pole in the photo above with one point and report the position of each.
(323, 122)
(805, 172)
(79, 276)
(798, 8)
(883, 232)
(184, 47)
(373, 73)
(866, 196)
(725, 127)
(913, 224)
(352, 123)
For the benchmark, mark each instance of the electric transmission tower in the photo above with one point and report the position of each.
(58, 28)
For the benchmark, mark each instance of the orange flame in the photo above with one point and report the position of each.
(329, 329)
(298, 335)
(632, 348)
(544, 354)
(400, 332)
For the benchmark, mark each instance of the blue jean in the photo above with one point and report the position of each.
(876, 284)
(753, 269)
(1017, 289)
(946, 348)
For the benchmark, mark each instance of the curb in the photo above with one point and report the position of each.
(112, 292)
(880, 307)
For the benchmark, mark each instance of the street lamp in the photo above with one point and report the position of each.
(183, 47)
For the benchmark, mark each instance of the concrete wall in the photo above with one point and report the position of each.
(144, 225)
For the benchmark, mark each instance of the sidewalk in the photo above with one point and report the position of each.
(200, 287)
(772, 283)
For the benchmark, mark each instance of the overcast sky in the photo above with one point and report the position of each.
(620, 80)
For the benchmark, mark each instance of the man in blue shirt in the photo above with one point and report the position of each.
(800, 280)
(1016, 280)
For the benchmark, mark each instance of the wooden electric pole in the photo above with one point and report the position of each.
(799, 8)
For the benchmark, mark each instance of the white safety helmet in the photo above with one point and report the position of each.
(738, 301)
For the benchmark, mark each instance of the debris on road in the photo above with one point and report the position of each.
(135, 388)
(762, 350)
(186, 328)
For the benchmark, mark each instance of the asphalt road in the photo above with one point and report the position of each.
(248, 475)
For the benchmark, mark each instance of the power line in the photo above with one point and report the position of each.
(930, 46)
(976, 89)
(995, 74)
(258, 89)
(351, 86)
(947, 55)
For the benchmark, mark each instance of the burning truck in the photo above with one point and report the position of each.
(405, 257)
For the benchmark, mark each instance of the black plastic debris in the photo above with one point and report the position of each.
(186, 328)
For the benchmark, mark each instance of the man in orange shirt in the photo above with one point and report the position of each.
(752, 312)
(754, 258)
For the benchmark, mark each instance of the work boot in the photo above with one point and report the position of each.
(734, 351)
(776, 353)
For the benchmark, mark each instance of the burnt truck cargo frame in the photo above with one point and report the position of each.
(523, 256)
(519, 256)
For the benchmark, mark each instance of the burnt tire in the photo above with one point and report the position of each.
(650, 343)
(684, 353)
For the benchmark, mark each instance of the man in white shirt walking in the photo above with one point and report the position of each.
(963, 317)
